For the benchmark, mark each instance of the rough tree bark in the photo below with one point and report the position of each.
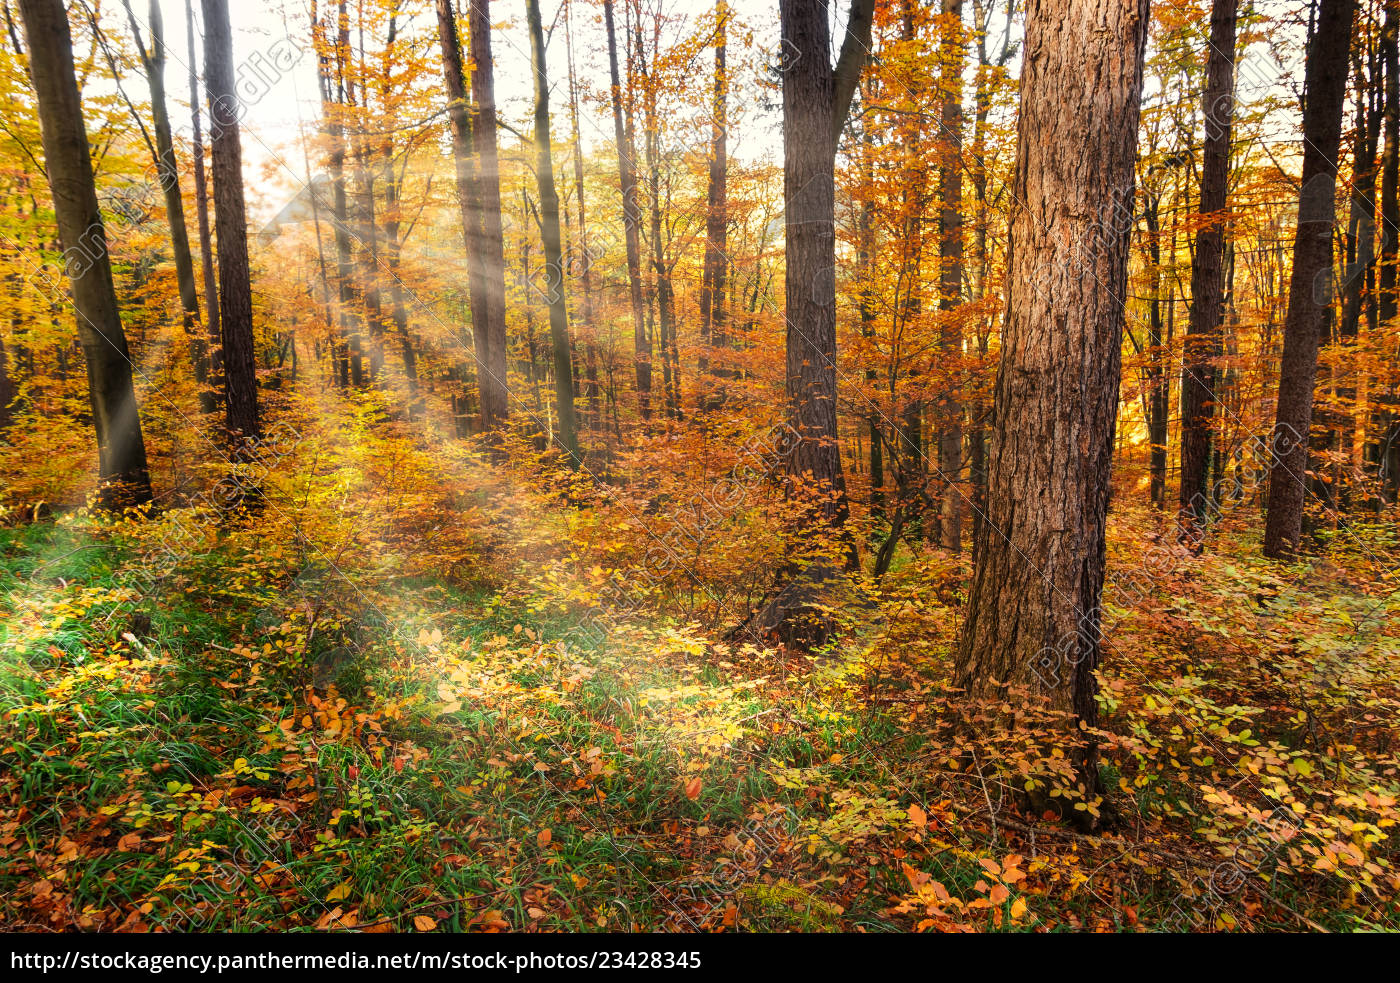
(1033, 610)
(816, 102)
(1203, 336)
(120, 446)
(230, 225)
(1309, 287)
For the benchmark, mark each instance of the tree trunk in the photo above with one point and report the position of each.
(1158, 400)
(583, 263)
(950, 255)
(121, 449)
(631, 218)
(231, 226)
(340, 209)
(209, 400)
(553, 251)
(1385, 428)
(168, 173)
(716, 263)
(491, 251)
(661, 270)
(1033, 610)
(1203, 336)
(1309, 289)
(816, 102)
(810, 293)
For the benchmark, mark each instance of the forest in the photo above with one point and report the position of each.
(699, 466)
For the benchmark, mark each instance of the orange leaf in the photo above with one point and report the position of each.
(544, 838)
(424, 923)
(692, 788)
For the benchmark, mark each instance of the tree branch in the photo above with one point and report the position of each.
(855, 48)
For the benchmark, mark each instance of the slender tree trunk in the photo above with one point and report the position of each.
(977, 410)
(393, 232)
(168, 173)
(1159, 386)
(583, 264)
(209, 399)
(120, 446)
(865, 272)
(1385, 426)
(1033, 611)
(950, 255)
(1359, 269)
(1309, 289)
(363, 221)
(716, 263)
(1203, 337)
(491, 251)
(8, 391)
(553, 250)
(631, 220)
(344, 246)
(660, 269)
(912, 476)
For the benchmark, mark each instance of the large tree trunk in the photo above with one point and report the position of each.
(121, 449)
(950, 254)
(210, 397)
(809, 187)
(553, 250)
(816, 102)
(631, 218)
(1033, 610)
(1203, 337)
(1309, 289)
(230, 225)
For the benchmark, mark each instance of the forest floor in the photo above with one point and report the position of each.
(364, 701)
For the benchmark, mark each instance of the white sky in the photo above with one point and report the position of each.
(280, 106)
